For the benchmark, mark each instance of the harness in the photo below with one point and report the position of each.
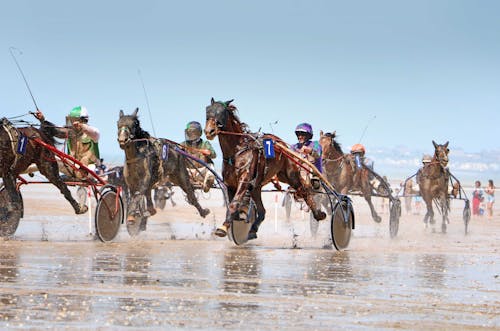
(13, 138)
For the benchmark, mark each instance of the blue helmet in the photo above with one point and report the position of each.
(304, 128)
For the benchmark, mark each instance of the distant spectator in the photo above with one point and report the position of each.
(408, 194)
(490, 198)
(477, 198)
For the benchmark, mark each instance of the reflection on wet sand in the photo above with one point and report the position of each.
(241, 274)
(431, 270)
(8, 274)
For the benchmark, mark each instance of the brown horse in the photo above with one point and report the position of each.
(342, 172)
(245, 169)
(150, 162)
(433, 179)
(15, 160)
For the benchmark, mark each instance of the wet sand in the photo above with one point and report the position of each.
(53, 274)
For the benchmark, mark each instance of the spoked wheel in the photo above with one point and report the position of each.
(466, 216)
(9, 219)
(395, 213)
(108, 215)
(239, 229)
(342, 224)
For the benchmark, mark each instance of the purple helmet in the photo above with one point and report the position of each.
(304, 128)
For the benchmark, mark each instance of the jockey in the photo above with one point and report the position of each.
(82, 139)
(310, 150)
(201, 149)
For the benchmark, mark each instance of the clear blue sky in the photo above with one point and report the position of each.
(426, 69)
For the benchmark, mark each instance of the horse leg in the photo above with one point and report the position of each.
(149, 203)
(261, 213)
(308, 196)
(444, 210)
(221, 231)
(375, 216)
(183, 180)
(429, 216)
(51, 171)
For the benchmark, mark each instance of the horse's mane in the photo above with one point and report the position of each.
(140, 132)
(336, 145)
(232, 110)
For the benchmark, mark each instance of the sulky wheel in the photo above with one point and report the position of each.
(342, 224)
(11, 213)
(466, 216)
(108, 215)
(239, 229)
(395, 213)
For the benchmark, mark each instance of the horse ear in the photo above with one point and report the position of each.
(229, 102)
(135, 112)
(212, 101)
(434, 143)
(121, 113)
(321, 133)
(446, 144)
(334, 133)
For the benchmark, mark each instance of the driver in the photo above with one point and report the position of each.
(203, 150)
(82, 139)
(308, 149)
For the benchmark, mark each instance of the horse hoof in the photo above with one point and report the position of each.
(83, 209)
(377, 219)
(319, 216)
(204, 212)
(221, 231)
(252, 235)
(152, 211)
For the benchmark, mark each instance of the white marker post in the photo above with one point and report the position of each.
(89, 204)
(275, 212)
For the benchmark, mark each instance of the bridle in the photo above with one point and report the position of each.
(217, 117)
(129, 135)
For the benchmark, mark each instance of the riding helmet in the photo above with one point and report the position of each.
(304, 128)
(192, 131)
(79, 112)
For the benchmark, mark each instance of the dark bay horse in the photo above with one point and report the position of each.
(341, 170)
(150, 162)
(15, 159)
(433, 179)
(245, 169)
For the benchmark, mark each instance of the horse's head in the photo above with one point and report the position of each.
(128, 128)
(328, 144)
(217, 117)
(441, 153)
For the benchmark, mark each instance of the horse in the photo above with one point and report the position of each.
(341, 170)
(433, 179)
(150, 162)
(245, 169)
(16, 158)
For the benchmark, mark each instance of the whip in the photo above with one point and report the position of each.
(22, 74)
(147, 102)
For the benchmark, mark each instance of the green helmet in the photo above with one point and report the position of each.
(79, 112)
(192, 131)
